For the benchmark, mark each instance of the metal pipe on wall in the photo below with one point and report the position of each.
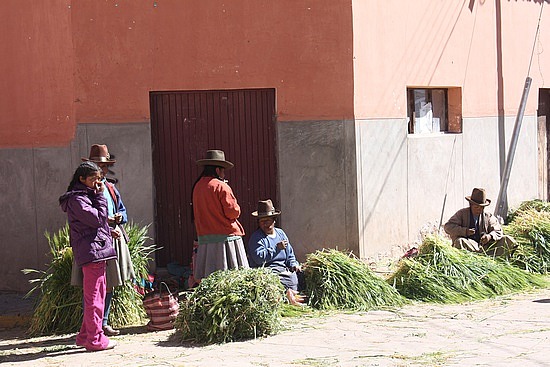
(501, 206)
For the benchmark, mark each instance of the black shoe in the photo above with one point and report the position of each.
(109, 331)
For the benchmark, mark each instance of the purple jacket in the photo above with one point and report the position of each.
(90, 235)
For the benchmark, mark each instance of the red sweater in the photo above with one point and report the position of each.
(216, 209)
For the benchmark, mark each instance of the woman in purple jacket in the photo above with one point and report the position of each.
(91, 241)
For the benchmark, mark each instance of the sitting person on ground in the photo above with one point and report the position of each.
(476, 230)
(269, 247)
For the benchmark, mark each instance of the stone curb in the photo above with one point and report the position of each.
(15, 310)
(13, 321)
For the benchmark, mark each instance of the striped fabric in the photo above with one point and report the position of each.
(162, 308)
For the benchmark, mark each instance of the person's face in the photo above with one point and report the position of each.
(221, 172)
(91, 180)
(104, 167)
(476, 209)
(267, 224)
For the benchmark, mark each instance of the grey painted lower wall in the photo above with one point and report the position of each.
(404, 180)
(365, 186)
(382, 184)
(33, 179)
(317, 172)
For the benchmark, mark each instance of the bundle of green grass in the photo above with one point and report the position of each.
(127, 304)
(59, 304)
(336, 280)
(529, 205)
(529, 225)
(232, 305)
(443, 274)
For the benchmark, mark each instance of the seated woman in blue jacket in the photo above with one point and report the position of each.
(269, 246)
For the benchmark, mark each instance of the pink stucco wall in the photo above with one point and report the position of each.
(66, 62)
(100, 59)
(37, 66)
(451, 43)
(126, 48)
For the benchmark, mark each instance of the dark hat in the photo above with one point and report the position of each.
(99, 154)
(215, 158)
(265, 209)
(478, 197)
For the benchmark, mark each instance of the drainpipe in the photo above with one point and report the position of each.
(501, 207)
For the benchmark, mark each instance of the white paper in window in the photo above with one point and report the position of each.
(423, 122)
(436, 124)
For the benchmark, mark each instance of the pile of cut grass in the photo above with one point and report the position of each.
(443, 274)
(59, 304)
(529, 205)
(335, 280)
(530, 228)
(127, 304)
(232, 305)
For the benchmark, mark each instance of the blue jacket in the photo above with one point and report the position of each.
(110, 190)
(262, 250)
(90, 235)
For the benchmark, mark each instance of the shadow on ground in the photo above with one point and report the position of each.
(25, 349)
(32, 350)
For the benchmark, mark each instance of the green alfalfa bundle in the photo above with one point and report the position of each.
(529, 205)
(530, 227)
(59, 304)
(443, 274)
(337, 280)
(232, 305)
(126, 306)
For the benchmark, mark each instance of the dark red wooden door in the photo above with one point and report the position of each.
(184, 125)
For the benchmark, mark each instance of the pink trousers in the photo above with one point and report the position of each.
(91, 333)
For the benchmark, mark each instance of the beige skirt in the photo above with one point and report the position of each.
(117, 271)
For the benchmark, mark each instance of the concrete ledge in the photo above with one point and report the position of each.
(13, 321)
(15, 310)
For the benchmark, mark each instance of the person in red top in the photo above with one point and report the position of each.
(216, 214)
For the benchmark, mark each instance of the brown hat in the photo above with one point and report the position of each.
(215, 158)
(478, 197)
(99, 154)
(265, 209)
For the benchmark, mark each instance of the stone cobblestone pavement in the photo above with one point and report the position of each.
(507, 331)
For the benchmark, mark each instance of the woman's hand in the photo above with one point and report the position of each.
(282, 245)
(296, 268)
(115, 219)
(115, 233)
(98, 187)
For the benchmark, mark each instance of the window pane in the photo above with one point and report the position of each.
(439, 103)
(428, 110)
(423, 114)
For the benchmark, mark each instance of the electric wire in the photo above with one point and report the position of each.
(535, 39)
(446, 183)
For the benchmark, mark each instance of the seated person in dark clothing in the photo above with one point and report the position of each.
(476, 230)
(269, 246)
